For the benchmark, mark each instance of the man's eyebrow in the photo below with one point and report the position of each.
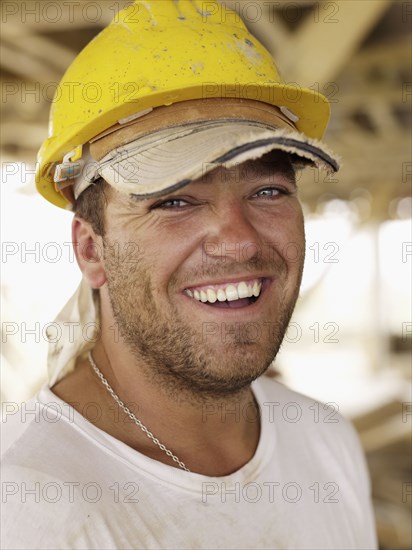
(133, 199)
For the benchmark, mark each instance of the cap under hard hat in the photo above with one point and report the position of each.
(166, 149)
(138, 72)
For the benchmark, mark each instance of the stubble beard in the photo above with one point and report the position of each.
(170, 351)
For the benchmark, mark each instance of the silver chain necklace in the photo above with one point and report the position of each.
(132, 416)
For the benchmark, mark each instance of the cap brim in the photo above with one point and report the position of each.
(172, 158)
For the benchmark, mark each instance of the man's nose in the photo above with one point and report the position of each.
(233, 235)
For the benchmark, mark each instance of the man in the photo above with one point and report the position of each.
(161, 430)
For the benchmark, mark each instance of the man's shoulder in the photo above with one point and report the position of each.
(294, 412)
(273, 390)
(300, 421)
(17, 422)
(27, 428)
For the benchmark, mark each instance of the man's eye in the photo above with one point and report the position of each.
(271, 192)
(171, 204)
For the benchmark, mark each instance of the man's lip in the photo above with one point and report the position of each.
(229, 281)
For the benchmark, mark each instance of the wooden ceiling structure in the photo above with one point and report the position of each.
(356, 52)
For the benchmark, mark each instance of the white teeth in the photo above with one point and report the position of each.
(243, 290)
(256, 289)
(230, 293)
(221, 295)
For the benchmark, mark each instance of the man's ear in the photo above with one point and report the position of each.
(88, 248)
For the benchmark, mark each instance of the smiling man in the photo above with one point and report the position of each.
(161, 429)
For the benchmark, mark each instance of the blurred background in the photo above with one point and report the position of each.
(349, 342)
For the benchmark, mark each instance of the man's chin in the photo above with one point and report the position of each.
(226, 373)
(213, 387)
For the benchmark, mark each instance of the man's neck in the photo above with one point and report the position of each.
(212, 435)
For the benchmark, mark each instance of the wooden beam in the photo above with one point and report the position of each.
(389, 432)
(322, 46)
(396, 51)
(17, 62)
(59, 16)
(23, 135)
(38, 47)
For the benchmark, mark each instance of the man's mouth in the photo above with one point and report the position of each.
(229, 295)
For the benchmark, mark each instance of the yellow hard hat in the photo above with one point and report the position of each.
(156, 53)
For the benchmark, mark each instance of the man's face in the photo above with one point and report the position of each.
(237, 230)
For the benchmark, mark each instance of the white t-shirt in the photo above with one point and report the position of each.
(68, 484)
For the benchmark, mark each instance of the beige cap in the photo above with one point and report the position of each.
(164, 149)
